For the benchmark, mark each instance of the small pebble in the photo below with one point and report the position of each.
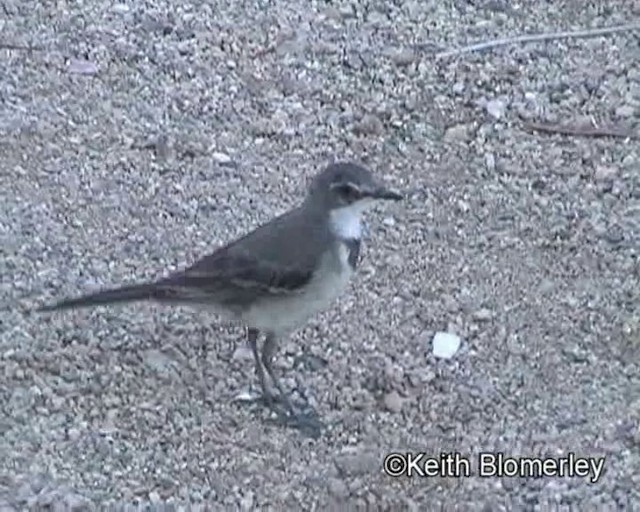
(490, 161)
(403, 57)
(242, 353)
(246, 502)
(457, 133)
(82, 67)
(605, 172)
(246, 396)
(393, 402)
(625, 111)
(483, 315)
(73, 433)
(337, 488)
(496, 108)
(221, 158)
(369, 125)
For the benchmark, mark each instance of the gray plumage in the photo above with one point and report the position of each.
(235, 276)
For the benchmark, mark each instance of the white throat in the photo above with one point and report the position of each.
(346, 222)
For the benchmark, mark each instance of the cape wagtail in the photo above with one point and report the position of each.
(277, 276)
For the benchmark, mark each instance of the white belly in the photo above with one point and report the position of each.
(287, 313)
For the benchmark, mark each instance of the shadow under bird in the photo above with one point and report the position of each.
(277, 276)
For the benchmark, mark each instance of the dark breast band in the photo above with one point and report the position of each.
(353, 244)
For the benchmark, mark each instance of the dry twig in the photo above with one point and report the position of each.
(581, 131)
(12, 46)
(530, 38)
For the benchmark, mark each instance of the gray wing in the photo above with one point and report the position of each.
(275, 259)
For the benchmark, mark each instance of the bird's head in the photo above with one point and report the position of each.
(346, 190)
(345, 184)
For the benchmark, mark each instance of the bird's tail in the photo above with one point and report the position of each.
(124, 294)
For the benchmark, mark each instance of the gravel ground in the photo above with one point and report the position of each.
(144, 134)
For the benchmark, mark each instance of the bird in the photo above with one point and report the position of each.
(275, 278)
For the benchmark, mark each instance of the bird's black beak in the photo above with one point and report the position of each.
(385, 193)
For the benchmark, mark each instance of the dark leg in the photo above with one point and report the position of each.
(268, 351)
(304, 421)
(252, 337)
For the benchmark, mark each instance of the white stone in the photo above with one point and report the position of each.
(496, 108)
(221, 158)
(246, 396)
(82, 67)
(445, 344)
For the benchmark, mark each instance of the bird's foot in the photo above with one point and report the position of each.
(300, 414)
(303, 417)
(276, 402)
(306, 421)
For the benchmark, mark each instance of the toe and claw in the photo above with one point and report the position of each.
(304, 418)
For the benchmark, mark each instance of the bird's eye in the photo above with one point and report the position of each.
(349, 192)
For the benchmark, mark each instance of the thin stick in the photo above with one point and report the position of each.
(577, 34)
(11, 46)
(580, 131)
